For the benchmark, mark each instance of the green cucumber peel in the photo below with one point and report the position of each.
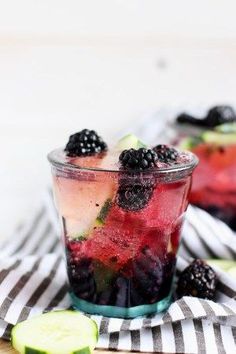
(85, 350)
(33, 351)
(80, 237)
(104, 212)
(190, 143)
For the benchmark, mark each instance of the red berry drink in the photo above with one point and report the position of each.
(213, 140)
(122, 212)
(214, 182)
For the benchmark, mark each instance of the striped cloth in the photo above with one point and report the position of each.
(33, 280)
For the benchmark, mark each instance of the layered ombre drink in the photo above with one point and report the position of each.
(121, 211)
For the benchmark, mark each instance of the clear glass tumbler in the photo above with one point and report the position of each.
(121, 260)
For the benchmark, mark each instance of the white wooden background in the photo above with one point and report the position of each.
(66, 65)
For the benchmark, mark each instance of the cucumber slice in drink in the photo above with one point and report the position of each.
(128, 142)
(219, 138)
(58, 332)
(226, 128)
(98, 222)
(190, 143)
(103, 213)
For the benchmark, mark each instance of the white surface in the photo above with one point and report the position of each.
(102, 67)
(202, 18)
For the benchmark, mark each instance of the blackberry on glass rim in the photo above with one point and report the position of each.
(166, 153)
(85, 142)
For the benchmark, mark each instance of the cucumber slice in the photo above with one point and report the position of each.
(226, 128)
(219, 138)
(223, 264)
(80, 237)
(58, 332)
(103, 213)
(99, 221)
(232, 271)
(129, 141)
(190, 143)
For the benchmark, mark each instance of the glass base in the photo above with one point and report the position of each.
(122, 312)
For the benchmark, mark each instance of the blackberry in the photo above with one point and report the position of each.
(198, 280)
(148, 275)
(135, 297)
(122, 292)
(141, 159)
(169, 263)
(135, 191)
(85, 143)
(106, 297)
(219, 115)
(81, 276)
(216, 115)
(187, 118)
(134, 194)
(165, 153)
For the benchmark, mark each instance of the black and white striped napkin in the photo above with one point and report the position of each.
(33, 280)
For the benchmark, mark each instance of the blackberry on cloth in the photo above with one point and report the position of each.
(198, 280)
(85, 143)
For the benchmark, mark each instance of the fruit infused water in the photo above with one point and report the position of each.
(214, 180)
(121, 212)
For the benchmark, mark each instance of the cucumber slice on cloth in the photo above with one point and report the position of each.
(223, 264)
(58, 332)
(232, 271)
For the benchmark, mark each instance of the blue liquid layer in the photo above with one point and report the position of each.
(122, 312)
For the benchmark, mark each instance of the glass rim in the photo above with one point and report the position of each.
(54, 159)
